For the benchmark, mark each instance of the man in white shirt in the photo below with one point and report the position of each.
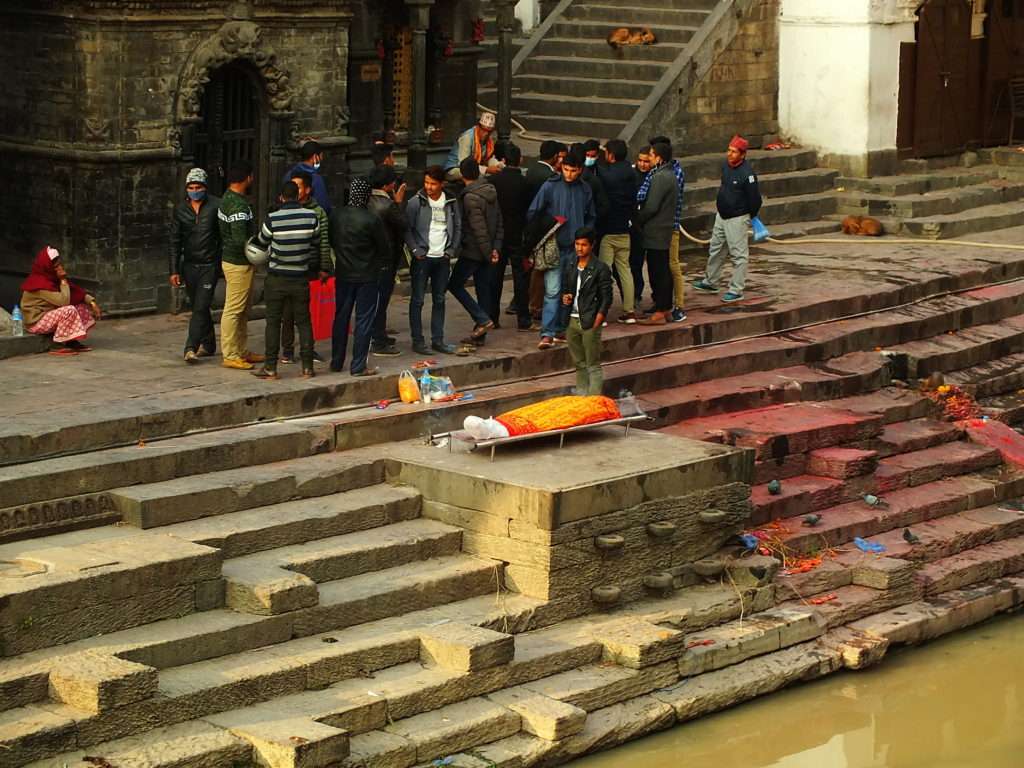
(433, 236)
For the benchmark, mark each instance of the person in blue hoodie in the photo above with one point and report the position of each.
(568, 199)
(313, 157)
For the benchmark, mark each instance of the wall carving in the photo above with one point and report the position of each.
(236, 40)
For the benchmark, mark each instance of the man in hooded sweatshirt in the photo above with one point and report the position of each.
(361, 251)
(312, 158)
(482, 233)
(739, 200)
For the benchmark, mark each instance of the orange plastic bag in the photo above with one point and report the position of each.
(559, 413)
(408, 389)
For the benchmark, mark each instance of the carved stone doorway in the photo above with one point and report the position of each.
(234, 126)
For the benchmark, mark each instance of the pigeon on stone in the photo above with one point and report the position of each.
(910, 537)
(874, 501)
(811, 520)
(774, 487)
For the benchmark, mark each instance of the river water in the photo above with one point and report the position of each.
(955, 703)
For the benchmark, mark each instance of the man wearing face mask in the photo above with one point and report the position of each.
(313, 157)
(195, 259)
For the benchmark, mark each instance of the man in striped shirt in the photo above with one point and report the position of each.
(293, 235)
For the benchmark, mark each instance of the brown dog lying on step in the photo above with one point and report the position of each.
(862, 225)
(623, 36)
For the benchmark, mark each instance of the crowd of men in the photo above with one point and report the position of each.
(471, 220)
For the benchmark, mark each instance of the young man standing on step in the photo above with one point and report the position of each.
(655, 220)
(739, 200)
(587, 292)
(675, 266)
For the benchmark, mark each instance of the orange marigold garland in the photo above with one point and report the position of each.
(956, 404)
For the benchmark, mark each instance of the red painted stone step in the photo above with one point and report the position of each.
(797, 496)
(989, 561)
(841, 463)
(893, 404)
(779, 431)
(781, 468)
(916, 435)
(947, 536)
(947, 460)
(995, 434)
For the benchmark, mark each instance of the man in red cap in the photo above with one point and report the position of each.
(739, 200)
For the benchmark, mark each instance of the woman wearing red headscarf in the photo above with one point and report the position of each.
(52, 305)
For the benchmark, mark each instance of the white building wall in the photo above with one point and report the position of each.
(528, 12)
(839, 77)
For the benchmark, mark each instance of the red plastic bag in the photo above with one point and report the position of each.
(321, 308)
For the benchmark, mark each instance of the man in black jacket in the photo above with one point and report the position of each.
(620, 185)
(482, 233)
(195, 260)
(383, 205)
(361, 254)
(587, 290)
(513, 200)
(550, 164)
(739, 200)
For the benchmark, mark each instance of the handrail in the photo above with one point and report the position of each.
(538, 34)
(682, 61)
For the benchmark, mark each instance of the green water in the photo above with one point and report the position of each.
(954, 703)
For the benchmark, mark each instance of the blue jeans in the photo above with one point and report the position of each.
(555, 317)
(434, 271)
(362, 297)
(480, 272)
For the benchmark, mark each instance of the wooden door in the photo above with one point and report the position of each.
(1004, 60)
(943, 94)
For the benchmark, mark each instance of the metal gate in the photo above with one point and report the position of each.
(232, 127)
(943, 94)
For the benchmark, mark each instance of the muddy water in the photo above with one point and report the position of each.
(954, 703)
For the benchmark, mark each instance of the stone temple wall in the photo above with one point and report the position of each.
(94, 139)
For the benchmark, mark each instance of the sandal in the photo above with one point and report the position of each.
(481, 330)
(265, 374)
(64, 352)
(465, 350)
(366, 372)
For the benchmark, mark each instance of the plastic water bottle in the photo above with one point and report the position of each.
(17, 322)
(425, 385)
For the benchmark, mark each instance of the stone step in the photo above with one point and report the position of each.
(940, 203)
(285, 579)
(584, 87)
(914, 435)
(844, 376)
(297, 522)
(778, 431)
(550, 104)
(581, 28)
(572, 47)
(844, 605)
(841, 463)
(641, 7)
(614, 15)
(995, 434)
(774, 211)
(962, 349)
(919, 184)
(772, 185)
(983, 563)
(160, 460)
(708, 166)
(555, 65)
(456, 727)
(76, 585)
(906, 507)
(993, 377)
(234, 490)
(907, 470)
(1008, 409)
(942, 227)
(601, 128)
(799, 495)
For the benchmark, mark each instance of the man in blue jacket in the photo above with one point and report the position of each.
(566, 198)
(739, 200)
(312, 157)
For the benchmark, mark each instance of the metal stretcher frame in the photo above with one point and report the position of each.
(493, 443)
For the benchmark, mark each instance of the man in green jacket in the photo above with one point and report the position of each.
(236, 227)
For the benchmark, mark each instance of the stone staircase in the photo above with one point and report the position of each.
(487, 64)
(275, 595)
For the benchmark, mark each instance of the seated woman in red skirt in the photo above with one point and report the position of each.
(52, 305)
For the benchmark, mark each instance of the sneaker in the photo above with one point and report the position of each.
(546, 342)
(286, 359)
(237, 364)
(657, 318)
(266, 373)
(388, 351)
(560, 339)
(444, 349)
(252, 357)
(365, 372)
(628, 318)
(677, 316)
(317, 358)
(420, 348)
(730, 297)
(704, 287)
(190, 357)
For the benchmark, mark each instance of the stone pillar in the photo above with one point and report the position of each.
(419, 18)
(839, 79)
(506, 26)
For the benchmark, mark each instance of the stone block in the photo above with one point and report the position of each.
(601, 685)
(17, 689)
(378, 749)
(96, 682)
(466, 648)
(456, 727)
(268, 591)
(841, 463)
(637, 644)
(294, 743)
(542, 716)
(858, 649)
(884, 573)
